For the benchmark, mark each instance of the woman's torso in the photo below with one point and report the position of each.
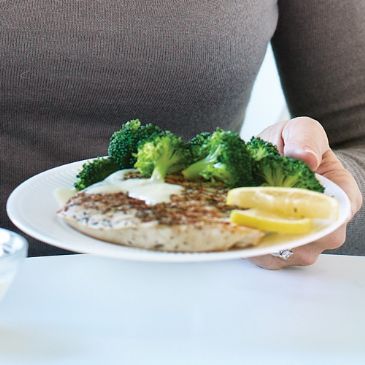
(72, 71)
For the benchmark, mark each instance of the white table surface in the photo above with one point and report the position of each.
(87, 310)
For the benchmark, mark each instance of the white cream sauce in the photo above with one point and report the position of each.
(62, 195)
(151, 191)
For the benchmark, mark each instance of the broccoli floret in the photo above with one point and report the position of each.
(124, 142)
(287, 172)
(162, 154)
(198, 144)
(223, 157)
(258, 148)
(95, 171)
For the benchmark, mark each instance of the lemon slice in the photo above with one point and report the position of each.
(288, 202)
(270, 222)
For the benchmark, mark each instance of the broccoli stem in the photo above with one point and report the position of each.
(163, 165)
(194, 170)
(159, 173)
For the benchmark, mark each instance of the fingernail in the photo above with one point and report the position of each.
(294, 150)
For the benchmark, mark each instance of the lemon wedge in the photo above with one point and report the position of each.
(270, 222)
(287, 202)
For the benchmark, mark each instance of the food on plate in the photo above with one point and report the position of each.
(123, 143)
(163, 154)
(271, 222)
(287, 172)
(289, 202)
(156, 191)
(95, 171)
(122, 148)
(137, 212)
(271, 169)
(281, 210)
(258, 148)
(220, 156)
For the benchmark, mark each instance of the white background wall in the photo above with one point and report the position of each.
(267, 104)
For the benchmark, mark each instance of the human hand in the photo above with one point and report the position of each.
(305, 139)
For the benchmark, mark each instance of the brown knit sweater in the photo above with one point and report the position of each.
(72, 71)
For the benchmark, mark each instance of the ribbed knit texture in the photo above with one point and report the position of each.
(72, 71)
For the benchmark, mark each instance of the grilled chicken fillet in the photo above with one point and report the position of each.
(196, 220)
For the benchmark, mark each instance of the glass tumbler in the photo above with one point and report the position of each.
(13, 250)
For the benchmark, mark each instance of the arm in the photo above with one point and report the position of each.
(319, 46)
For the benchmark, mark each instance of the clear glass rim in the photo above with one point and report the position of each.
(12, 245)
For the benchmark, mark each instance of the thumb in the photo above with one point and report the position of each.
(305, 139)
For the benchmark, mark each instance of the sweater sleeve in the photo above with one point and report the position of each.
(319, 47)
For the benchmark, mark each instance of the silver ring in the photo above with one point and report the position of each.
(284, 254)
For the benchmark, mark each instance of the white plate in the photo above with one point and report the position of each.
(32, 207)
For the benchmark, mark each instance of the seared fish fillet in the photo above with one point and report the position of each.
(196, 220)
